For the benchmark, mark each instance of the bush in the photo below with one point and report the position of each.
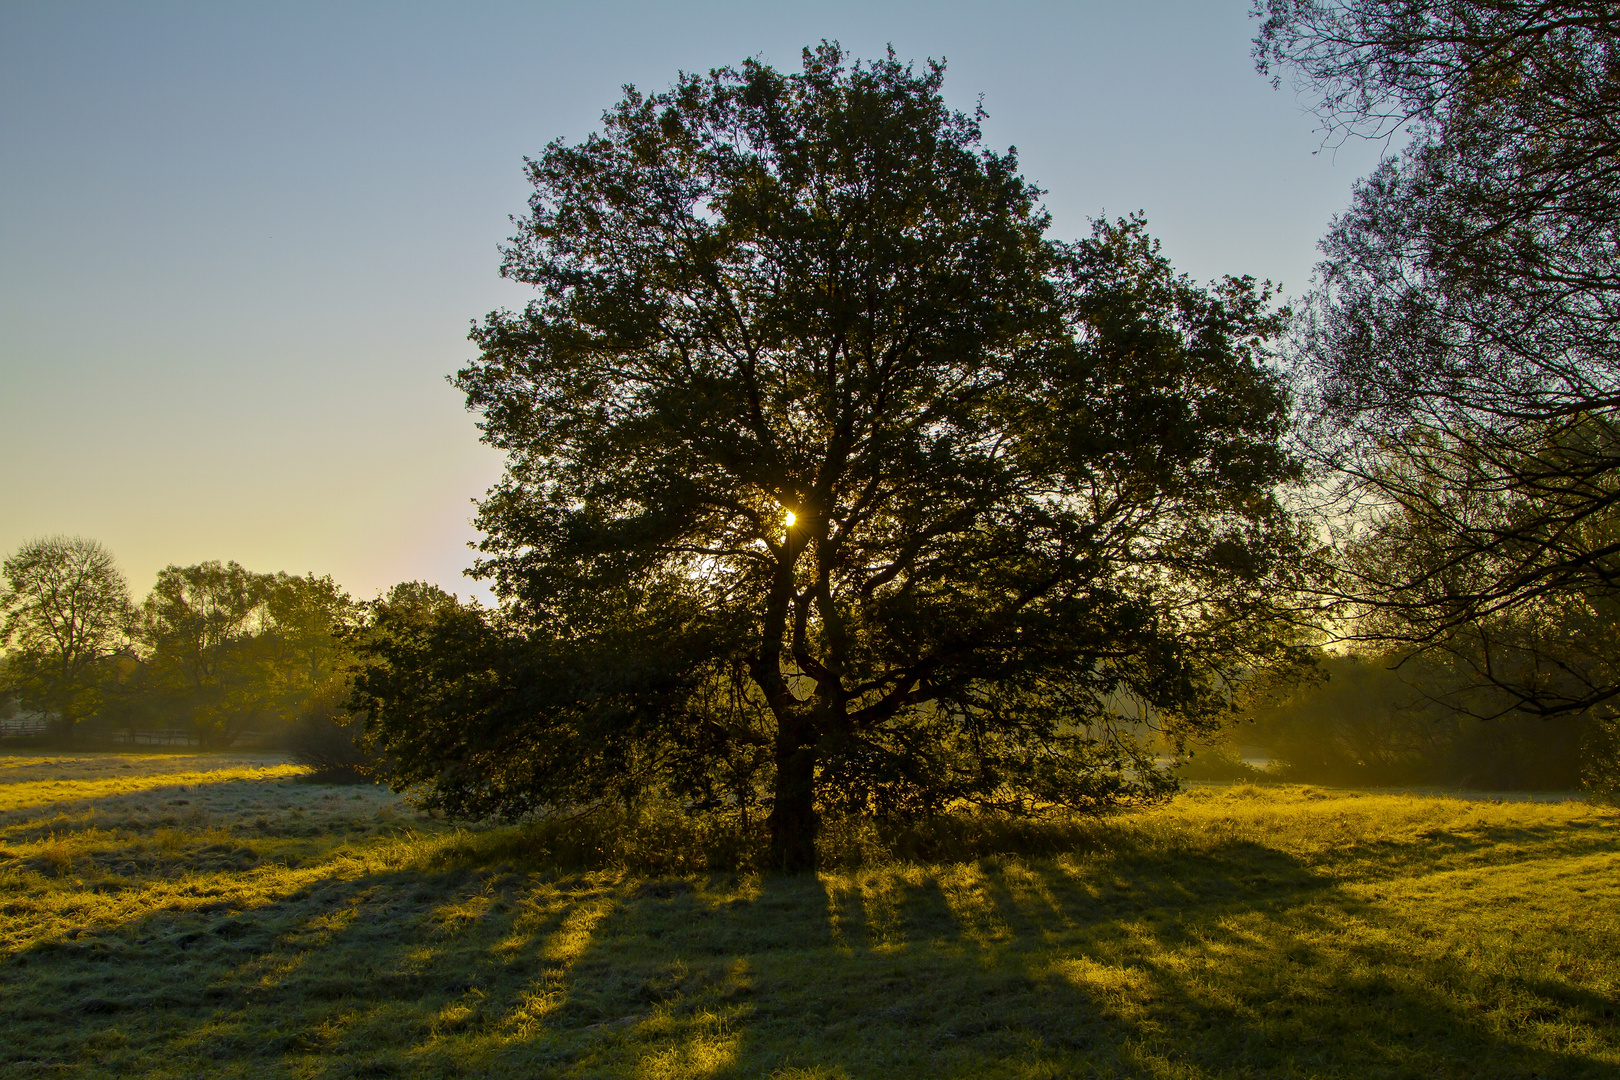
(655, 839)
(327, 740)
(962, 836)
(1602, 773)
(1219, 763)
(661, 839)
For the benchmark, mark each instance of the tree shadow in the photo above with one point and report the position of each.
(1237, 960)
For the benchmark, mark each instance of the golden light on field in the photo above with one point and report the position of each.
(421, 947)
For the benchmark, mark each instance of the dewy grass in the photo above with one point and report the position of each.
(202, 917)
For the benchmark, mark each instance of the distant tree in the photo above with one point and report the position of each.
(1462, 352)
(826, 467)
(66, 610)
(306, 642)
(227, 647)
(198, 627)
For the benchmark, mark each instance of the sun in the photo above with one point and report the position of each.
(790, 519)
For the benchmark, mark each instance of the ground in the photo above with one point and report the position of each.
(195, 915)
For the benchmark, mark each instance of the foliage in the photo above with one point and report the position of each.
(1463, 347)
(831, 482)
(66, 611)
(434, 682)
(326, 738)
(1218, 760)
(274, 928)
(225, 647)
(1601, 770)
(1547, 650)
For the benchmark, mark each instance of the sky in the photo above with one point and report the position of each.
(241, 244)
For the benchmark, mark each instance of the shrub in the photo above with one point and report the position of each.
(661, 839)
(1220, 763)
(1601, 775)
(326, 739)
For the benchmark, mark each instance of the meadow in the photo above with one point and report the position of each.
(188, 915)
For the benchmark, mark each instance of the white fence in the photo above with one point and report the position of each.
(23, 725)
(26, 724)
(158, 737)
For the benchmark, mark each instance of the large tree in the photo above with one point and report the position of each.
(1462, 352)
(827, 470)
(66, 610)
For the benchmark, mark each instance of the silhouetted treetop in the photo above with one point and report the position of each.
(1028, 480)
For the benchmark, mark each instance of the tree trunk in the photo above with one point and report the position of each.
(793, 819)
(59, 731)
(59, 728)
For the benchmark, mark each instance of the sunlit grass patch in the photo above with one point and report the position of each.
(1270, 931)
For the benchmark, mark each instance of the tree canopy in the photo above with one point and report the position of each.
(66, 610)
(225, 647)
(1462, 351)
(833, 482)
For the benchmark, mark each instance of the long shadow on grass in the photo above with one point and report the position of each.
(379, 969)
(1131, 962)
(1232, 962)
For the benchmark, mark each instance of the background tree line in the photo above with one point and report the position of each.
(1368, 719)
(214, 650)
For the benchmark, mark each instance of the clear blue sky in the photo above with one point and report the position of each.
(241, 244)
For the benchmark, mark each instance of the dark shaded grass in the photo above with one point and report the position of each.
(1235, 960)
(1240, 933)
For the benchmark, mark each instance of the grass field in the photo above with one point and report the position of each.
(202, 916)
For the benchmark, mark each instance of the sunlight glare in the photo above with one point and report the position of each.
(790, 519)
